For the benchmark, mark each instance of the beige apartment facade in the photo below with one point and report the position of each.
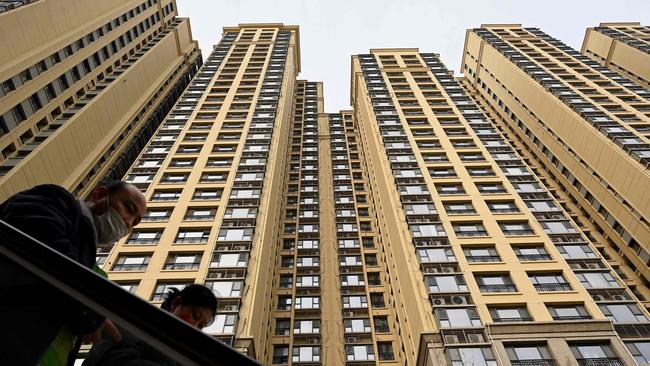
(81, 95)
(441, 221)
(623, 47)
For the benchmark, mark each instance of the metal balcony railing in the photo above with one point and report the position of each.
(611, 361)
(546, 287)
(539, 362)
(164, 332)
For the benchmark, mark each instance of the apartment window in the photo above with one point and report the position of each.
(213, 177)
(459, 208)
(381, 324)
(131, 287)
(359, 353)
(542, 206)
(306, 327)
(442, 172)
(357, 325)
(436, 255)
(174, 178)
(280, 354)
(446, 283)
(182, 163)
(286, 281)
(308, 262)
(481, 254)
(448, 189)
(235, 234)
(514, 313)
(588, 354)
(465, 229)
(354, 302)
(576, 251)
(532, 253)
(558, 227)
(515, 228)
(491, 188)
(502, 206)
(471, 356)
(196, 213)
(433, 230)
(623, 313)
(377, 300)
(144, 237)
(166, 195)
(545, 282)
(206, 194)
(228, 260)
(481, 171)
(183, 261)
(529, 354)
(568, 312)
(457, 317)
(282, 327)
(225, 288)
(597, 280)
(489, 283)
(308, 281)
(306, 354)
(157, 214)
(192, 235)
(132, 263)
(284, 302)
(163, 288)
(640, 351)
(385, 350)
(223, 324)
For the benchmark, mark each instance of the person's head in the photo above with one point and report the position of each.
(117, 207)
(195, 304)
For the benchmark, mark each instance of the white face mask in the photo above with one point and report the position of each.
(109, 225)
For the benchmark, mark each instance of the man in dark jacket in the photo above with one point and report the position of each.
(35, 312)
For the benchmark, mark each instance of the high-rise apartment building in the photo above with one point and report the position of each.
(420, 227)
(623, 47)
(83, 85)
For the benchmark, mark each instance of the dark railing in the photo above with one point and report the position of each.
(611, 361)
(545, 287)
(539, 362)
(497, 288)
(484, 258)
(534, 257)
(166, 333)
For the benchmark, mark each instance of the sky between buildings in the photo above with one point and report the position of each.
(333, 30)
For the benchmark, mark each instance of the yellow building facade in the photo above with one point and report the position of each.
(499, 218)
(81, 94)
(623, 47)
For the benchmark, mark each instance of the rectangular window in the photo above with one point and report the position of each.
(132, 263)
(547, 282)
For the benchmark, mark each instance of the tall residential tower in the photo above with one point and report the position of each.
(83, 85)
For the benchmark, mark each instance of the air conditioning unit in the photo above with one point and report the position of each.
(447, 270)
(351, 340)
(592, 266)
(439, 301)
(348, 314)
(312, 340)
(619, 297)
(230, 308)
(475, 338)
(598, 297)
(459, 300)
(451, 339)
(430, 270)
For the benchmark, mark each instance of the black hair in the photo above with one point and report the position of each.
(197, 295)
(113, 186)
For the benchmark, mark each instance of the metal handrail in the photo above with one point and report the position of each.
(166, 333)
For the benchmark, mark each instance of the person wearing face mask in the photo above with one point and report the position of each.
(38, 314)
(195, 304)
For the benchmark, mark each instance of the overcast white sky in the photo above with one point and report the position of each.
(333, 30)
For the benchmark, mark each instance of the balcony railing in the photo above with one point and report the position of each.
(611, 361)
(546, 287)
(164, 332)
(497, 288)
(539, 362)
(534, 257)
